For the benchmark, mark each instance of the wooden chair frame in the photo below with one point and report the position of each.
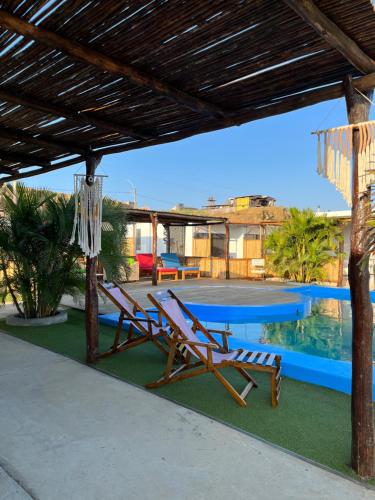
(140, 329)
(205, 364)
(187, 272)
(161, 272)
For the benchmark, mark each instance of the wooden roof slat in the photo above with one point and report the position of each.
(40, 140)
(27, 160)
(282, 106)
(14, 175)
(106, 63)
(6, 170)
(328, 30)
(71, 114)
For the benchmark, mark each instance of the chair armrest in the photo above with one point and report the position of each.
(224, 337)
(144, 320)
(195, 344)
(222, 332)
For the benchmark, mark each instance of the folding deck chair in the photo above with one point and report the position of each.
(209, 356)
(142, 327)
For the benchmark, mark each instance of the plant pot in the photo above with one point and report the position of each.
(15, 320)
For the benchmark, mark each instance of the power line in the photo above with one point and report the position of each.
(65, 190)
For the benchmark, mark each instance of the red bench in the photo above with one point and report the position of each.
(145, 262)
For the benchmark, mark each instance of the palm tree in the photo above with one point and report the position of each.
(303, 245)
(37, 263)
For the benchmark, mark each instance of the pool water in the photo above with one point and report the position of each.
(326, 331)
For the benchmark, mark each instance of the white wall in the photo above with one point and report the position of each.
(236, 241)
(189, 231)
(146, 238)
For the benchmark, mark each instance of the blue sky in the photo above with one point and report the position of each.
(275, 156)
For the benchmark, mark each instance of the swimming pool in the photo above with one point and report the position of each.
(325, 330)
(315, 345)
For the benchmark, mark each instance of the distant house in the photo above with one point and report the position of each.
(241, 202)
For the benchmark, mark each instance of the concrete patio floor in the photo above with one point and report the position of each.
(68, 431)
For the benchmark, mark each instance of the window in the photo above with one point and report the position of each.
(217, 245)
(138, 240)
(252, 233)
(252, 236)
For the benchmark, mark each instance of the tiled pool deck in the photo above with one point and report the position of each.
(209, 291)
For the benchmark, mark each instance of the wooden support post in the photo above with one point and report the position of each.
(363, 450)
(209, 250)
(226, 251)
(340, 276)
(91, 303)
(167, 237)
(262, 237)
(154, 224)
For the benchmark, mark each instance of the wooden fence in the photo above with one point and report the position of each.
(214, 267)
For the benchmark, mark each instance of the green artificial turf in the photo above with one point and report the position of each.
(310, 420)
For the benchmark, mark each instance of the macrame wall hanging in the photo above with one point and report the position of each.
(87, 228)
(335, 156)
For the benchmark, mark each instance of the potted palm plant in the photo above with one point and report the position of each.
(37, 263)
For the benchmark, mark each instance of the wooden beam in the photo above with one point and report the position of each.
(340, 274)
(226, 251)
(27, 160)
(91, 298)
(6, 170)
(167, 232)
(332, 34)
(81, 117)
(286, 105)
(105, 63)
(15, 175)
(154, 225)
(43, 140)
(363, 449)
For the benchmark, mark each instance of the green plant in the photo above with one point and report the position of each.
(303, 245)
(37, 263)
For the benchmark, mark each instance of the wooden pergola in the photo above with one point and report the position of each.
(81, 79)
(174, 219)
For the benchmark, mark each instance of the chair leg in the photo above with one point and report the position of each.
(275, 387)
(232, 391)
(129, 343)
(160, 346)
(174, 377)
(246, 375)
(118, 332)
